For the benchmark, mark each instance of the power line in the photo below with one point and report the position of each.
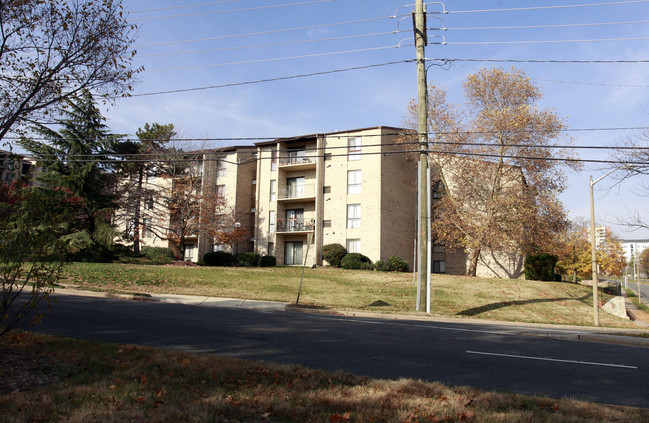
(269, 45)
(541, 26)
(184, 6)
(234, 10)
(539, 60)
(541, 41)
(251, 34)
(565, 6)
(259, 81)
(274, 59)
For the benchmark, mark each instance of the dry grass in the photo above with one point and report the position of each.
(98, 382)
(452, 296)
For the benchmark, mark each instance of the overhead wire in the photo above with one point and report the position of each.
(252, 34)
(249, 9)
(563, 6)
(344, 37)
(184, 6)
(274, 59)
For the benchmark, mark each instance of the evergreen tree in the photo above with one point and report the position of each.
(77, 158)
(143, 162)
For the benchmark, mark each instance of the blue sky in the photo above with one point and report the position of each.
(296, 37)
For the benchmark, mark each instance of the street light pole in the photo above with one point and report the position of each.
(594, 254)
(593, 245)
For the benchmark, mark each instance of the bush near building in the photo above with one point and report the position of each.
(333, 253)
(540, 267)
(218, 258)
(268, 261)
(392, 264)
(356, 261)
(247, 260)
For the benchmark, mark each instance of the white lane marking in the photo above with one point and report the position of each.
(590, 363)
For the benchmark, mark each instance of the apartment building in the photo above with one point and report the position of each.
(227, 173)
(16, 167)
(352, 187)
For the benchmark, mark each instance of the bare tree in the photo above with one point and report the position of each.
(497, 178)
(51, 50)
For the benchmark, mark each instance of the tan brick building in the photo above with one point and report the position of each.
(356, 188)
(352, 187)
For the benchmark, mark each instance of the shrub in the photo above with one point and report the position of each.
(268, 261)
(397, 264)
(356, 261)
(334, 253)
(157, 255)
(540, 267)
(218, 258)
(381, 266)
(247, 259)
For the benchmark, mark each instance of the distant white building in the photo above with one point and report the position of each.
(633, 247)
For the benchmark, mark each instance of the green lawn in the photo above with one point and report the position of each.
(452, 296)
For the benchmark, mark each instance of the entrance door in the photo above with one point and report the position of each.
(293, 252)
(294, 220)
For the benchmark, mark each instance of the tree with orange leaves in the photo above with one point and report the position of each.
(496, 166)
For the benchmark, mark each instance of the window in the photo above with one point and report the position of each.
(220, 191)
(353, 216)
(353, 245)
(354, 148)
(271, 249)
(439, 266)
(295, 187)
(438, 189)
(293, 252)
(326, 223)
(189, 252)
(271, 222)
(146, 224)
(273, 160)
(218, 247)
(221, 168)
(354, 182)
(273, 190)
(148, 202)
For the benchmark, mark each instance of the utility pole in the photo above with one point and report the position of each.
(422, 133)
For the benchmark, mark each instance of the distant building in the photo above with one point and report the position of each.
(17, 167)
(601, 234)
(633, 248)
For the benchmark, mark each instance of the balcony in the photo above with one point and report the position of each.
(298, 159)
(295, 226)
(297, 192)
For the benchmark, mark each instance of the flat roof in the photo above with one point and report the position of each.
(324, 134)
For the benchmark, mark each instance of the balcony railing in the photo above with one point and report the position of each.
(297, 191)
(297, 157)
(295, 225)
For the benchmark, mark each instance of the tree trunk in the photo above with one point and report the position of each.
(473, 262)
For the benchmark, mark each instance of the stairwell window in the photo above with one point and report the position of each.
(273, 190)
(353, 245)
(271, 222)
(354, 148)
(354, 182)
(353, 216)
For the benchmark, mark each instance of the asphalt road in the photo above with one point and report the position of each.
(484, 356)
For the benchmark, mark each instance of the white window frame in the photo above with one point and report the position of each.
(354, 146)
(221, 188)
(354, 245)
(221, 169)
(354, 180)
(273, 190)
(271, 222)
(353, 216)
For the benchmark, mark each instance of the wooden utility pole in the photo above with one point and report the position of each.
(422, 132)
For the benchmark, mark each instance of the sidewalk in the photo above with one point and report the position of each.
(620, 336)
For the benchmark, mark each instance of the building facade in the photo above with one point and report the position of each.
(354, 188)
